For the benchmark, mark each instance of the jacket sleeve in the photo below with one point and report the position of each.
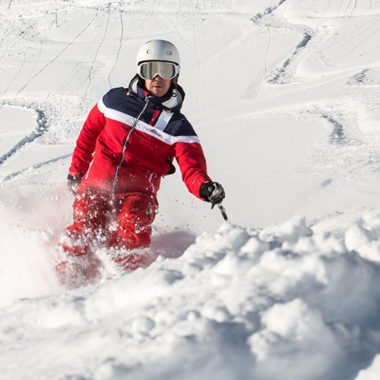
(86, 141)
(192, 164)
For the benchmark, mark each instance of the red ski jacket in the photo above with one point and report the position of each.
(130, 138)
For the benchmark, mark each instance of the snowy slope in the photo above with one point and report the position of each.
(284, 96)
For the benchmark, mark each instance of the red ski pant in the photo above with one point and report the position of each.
(121, 221)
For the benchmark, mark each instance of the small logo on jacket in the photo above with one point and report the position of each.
(154, 131)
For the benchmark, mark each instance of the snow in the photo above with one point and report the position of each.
(284, 96)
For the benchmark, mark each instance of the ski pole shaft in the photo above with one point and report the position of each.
(222, 210)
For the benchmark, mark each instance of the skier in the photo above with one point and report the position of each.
(126, 145)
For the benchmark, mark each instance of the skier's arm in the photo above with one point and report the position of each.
(86, 141)
(192, 164)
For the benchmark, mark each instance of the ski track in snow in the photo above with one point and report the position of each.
(57, 56)
(367, 77)
(283, 74)
(280, 75)
(90, 74)
(11, 176)
(337, 134)
(121, 39)
(256, 19)
(41, 127)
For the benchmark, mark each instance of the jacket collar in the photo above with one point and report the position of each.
(173, 100)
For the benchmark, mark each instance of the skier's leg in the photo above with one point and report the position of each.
(134, 228)
(89, 211)
(89, 214)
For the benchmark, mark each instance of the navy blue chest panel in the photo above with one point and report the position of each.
(169, 127)
(118, 100)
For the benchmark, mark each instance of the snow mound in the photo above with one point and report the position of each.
(239, 303)
(371, 373)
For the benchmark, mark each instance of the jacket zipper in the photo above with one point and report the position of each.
(126, 142)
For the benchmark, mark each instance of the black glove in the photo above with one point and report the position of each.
(73, 182)
(212, 192)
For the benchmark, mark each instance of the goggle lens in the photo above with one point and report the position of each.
(166, 70)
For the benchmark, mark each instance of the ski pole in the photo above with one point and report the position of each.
(222, 211)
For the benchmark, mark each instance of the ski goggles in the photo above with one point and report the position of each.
(150, 69)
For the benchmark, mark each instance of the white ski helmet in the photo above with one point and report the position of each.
(158, 50)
